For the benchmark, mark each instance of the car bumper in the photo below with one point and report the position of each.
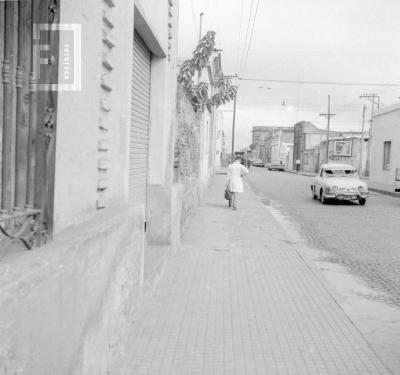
(347, 196)
(276, 167)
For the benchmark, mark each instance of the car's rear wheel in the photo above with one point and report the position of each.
(362, 201)
(314, 196)
(322, 197)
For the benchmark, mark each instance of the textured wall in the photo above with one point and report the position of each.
(187, 155)
(187, 141)
(64, 308)
(385, 127)
(81, 144)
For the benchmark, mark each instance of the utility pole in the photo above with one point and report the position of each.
(234, 117)
(201, 24)
(362, 137)
(233, 129)
(375, 100)
(328, 116)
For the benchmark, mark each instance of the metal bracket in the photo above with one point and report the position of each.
(22, 226)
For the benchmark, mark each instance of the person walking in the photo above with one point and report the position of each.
(235, 183)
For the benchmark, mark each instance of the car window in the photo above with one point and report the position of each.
(340, 172)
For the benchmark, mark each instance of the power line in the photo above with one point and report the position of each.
(216, 15)
(322, 82)
(247, 33)
(239, 36)
(251, 37)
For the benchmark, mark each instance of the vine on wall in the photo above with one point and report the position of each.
(199, 94)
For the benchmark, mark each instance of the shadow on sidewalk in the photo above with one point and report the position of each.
(217, 205)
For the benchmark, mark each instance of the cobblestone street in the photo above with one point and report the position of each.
(366, 240)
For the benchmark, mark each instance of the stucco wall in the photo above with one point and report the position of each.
(156, 14)
(385, 127)
(79, 111)
(163, 94)
(64, 308)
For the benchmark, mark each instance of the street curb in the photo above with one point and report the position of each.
(332, 291)
(384, 192)
(300, 250)
(300, 173)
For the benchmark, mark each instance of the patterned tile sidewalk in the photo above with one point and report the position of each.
(239, 299)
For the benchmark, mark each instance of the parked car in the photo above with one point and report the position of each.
(277, 165)
(339, 182)
(258, 163)
(397, 181)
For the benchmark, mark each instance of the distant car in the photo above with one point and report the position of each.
(277, 165)
(397, 181)
(258, 163)
(339, 182)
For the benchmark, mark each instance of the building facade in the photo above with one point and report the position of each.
(282, 146)
(306, 137)
(384, 152)
(220, 146)
(309, 149)
(263, 137)
(94, 182)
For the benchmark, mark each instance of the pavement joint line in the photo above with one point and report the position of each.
(318, 275)
(220, 302)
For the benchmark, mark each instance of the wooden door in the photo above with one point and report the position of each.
(28, 110)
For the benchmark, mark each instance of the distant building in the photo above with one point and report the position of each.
(347, 150)
(309, 149)
(385, 141)
(282, 146)
(220, 144)
(263, 137)
(306, 138)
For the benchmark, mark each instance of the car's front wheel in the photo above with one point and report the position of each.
(314, 196)
(322, 197)
(362, 201)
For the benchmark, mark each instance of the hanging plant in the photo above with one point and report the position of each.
(226, 92)
(186, 72)
(203, 51)
(198, 94)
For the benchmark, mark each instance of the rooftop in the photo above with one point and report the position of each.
(390, 108)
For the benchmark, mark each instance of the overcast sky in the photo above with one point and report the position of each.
(344, 41)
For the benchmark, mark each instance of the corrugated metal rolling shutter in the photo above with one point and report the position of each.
(140, 118)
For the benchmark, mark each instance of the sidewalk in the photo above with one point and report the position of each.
(381, 188)
(238, 298)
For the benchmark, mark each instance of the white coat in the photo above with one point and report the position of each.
(235, 173)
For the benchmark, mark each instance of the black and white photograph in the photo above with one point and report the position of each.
(199, 187)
